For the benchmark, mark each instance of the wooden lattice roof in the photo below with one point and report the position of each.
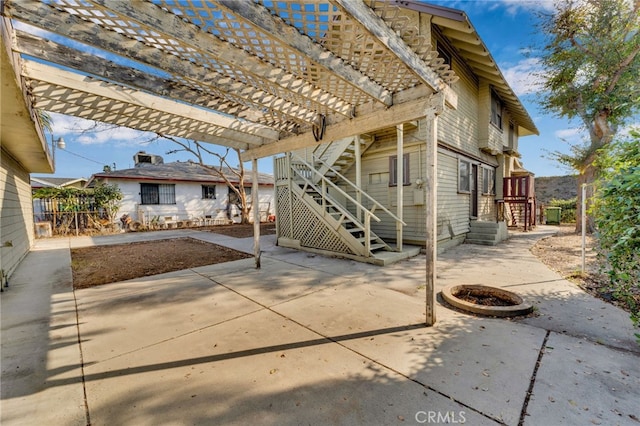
(253, 75)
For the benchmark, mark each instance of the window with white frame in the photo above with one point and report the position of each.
(464, 176)
(155, 193)
(488, 180)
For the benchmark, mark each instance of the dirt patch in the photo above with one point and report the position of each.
(241, 231)
(563, 253)
(484, 300)
(99, 265)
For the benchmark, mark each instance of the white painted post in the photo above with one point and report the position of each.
(399, 184)
(358, 155)
(436, 106)
(256, 212)
(584, 226)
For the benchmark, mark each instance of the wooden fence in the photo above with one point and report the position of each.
(75, 215)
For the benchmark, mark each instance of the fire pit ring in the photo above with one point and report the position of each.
(516, 305)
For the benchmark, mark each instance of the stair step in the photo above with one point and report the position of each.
(483, 237)
(480, 242)
(377, 246)
(484, 225)
(489, 232)
(363, 239)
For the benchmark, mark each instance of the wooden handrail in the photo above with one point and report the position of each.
(358, 190)
(335, 204)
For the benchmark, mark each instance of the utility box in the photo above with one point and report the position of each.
(553, 215)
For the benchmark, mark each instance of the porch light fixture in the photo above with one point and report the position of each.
(61, 144)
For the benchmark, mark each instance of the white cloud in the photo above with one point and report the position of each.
(514, 6)
(625, 131)
(571, 135)
(87, 132)
(522, 77)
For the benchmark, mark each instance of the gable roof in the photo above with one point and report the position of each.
(179, 171)
(455, 26)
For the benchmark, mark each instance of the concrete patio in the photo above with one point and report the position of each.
(322, 341)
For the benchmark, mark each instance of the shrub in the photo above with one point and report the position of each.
(568, 212)
(616, 212)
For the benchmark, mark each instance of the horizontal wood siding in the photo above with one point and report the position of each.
(453, 207)
(459, 127)
(16, 218)
(459, 131)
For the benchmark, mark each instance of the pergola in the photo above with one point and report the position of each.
(263, 77)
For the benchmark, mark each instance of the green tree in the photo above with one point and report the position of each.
(108, 197)
(591, 73)
(616, 210)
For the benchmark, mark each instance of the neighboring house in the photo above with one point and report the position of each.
(23, 150)
(179, 192)
(331, 189)
(39, 182)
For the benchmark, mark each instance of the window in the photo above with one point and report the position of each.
(208, 192)
(512, 136)
(443, 53)
(154, 193)
(464, 176)
(235, 199)
(393, 170)
(488, 181)
(496, 111)
(379, 178)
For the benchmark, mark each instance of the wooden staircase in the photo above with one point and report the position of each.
(342, 221)
(339, 155)
(352, 231)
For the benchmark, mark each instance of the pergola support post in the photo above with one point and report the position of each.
(399, 183)
(256, 211)
(358, 154)
(436, 106)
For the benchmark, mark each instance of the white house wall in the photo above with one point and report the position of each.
(189, 203)
(16, 213)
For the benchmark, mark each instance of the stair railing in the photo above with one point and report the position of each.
(305, 171)
(376, 204)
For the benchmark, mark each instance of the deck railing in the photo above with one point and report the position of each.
(518, 188)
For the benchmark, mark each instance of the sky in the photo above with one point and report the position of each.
(507, 28)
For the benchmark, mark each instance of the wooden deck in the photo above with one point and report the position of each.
(519, 195)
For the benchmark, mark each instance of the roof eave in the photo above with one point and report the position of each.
(456, 23)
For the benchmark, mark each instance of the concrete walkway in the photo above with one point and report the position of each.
(309, 340)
